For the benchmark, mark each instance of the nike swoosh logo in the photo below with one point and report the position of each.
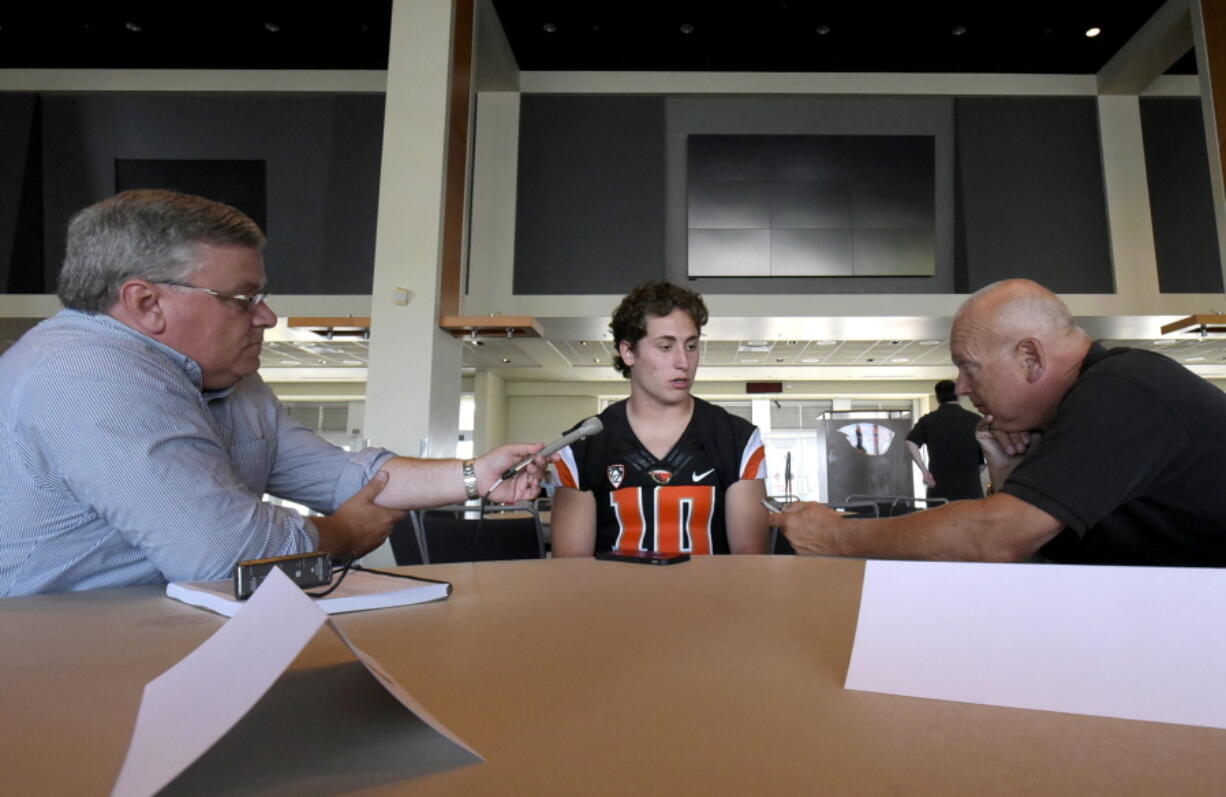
(697, 477)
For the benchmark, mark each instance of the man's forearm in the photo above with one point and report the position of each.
(996, 529)
(419, 483)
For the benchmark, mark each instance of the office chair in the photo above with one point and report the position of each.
(407, 545)
(458, 533)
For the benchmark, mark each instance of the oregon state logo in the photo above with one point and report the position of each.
(616, 474)
(660, 476)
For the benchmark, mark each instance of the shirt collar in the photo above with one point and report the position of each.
(190, 368)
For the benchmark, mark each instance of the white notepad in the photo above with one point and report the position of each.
(358, 592)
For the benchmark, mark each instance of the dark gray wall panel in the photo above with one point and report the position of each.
(351, 215)
(78, 165)
(322, 155)
(1180, 196)
(590, 201)
(21, 230)
(1031, 198)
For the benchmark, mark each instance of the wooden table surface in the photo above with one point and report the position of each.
(722, 675)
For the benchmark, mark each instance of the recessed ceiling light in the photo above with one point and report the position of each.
(823, 30)
(1092, 32)
(549, 27)
(506, 360)
(778, 359)
(958, 30)
(583, 343)
(687, 28)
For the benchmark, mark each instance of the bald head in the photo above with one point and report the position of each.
(1011, 310)
(1018, 352)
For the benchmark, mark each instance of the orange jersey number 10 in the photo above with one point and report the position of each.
(682, 518)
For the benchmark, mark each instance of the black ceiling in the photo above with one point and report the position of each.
(207, 35)
(983, 36)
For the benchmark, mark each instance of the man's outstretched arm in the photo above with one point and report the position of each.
(365, 520)
(419, 483)
(1000, 528)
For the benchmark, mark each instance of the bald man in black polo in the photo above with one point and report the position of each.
(1101, 456)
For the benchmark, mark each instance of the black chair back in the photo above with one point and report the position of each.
(406, 545)
(464, 534)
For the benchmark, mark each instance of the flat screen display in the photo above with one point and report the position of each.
(810, 206)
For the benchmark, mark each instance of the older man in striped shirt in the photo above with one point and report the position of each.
(137, 439)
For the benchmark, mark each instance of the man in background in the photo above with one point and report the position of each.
(670, 472)
(954, 457)
(137, 439)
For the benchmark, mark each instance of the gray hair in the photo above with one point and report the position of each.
(147, 234)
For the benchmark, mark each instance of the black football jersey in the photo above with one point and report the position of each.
(674, 504)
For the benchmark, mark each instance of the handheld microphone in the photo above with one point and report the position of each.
(592, 426)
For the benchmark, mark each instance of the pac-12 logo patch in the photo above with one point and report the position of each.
(617, 473)
(660, 476)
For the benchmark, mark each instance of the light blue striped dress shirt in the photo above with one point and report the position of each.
(117, 469)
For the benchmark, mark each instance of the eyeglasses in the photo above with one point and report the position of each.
(247, 301)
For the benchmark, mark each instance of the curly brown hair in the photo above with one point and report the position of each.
(656, 298)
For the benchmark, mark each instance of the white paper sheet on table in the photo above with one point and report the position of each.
(188, 708)
(1141, 643)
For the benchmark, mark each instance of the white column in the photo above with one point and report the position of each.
(413, 388)
(1217, 183)
(490, 426)
(1127, 189)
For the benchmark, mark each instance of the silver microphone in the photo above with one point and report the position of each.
(592, 426)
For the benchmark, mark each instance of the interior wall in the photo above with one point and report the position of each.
(322, 180)
(1031, 193)
(1180, 195)
(1134, 277)
(541, 418)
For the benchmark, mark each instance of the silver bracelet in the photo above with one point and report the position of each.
(470, 479)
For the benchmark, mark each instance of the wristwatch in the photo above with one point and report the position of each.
(470, 479)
